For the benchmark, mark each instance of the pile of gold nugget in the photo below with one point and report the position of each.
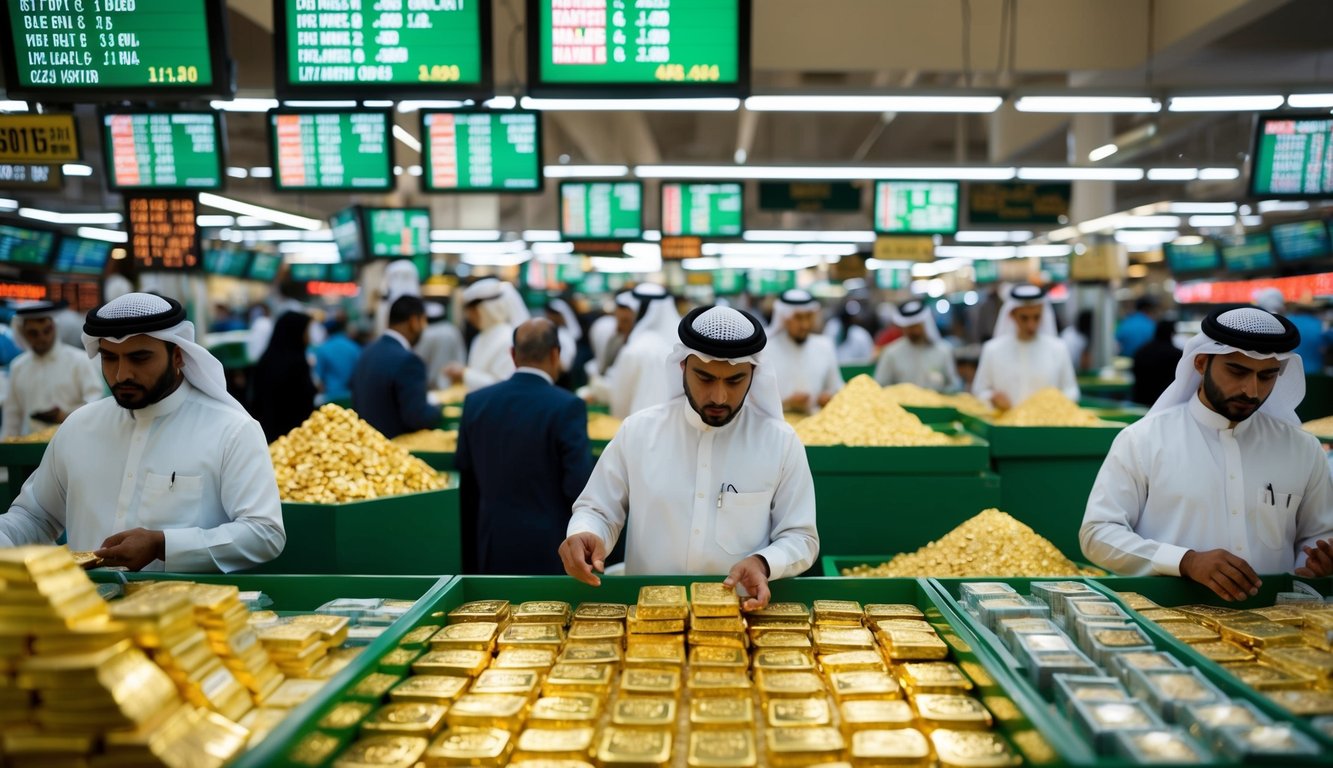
(990, 544)
(907, 394)
(335, 457)
(451, 396)
(40, 436)
(672, 680)
(1048, 408)
(602, 426)
(862, 414)
(429, 441)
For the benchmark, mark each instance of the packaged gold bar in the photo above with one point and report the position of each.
(767, 640)
(798, 713)
(791, 685)
(872, 714)
(482, 747)
(419, 637)
(1303, 703)
(897, 747)
(1223, 652)
(712, 599)
(707, 683)
(573, 710)
(578, 678)
(488, 710)
(728, 624)
(1262, 634)
(373, 687)
(584, 632)
(951, 711)
(410, 718)
(555, 744)
(644, 712)
(634, 748)
(638, 626)
(837, 611)
(880, 611)
(933, 677)
(546, 636)
(837, 639)
(848, 686)
(1301, 660)
(344, 719)
(718, 657)
(592, 653)
(522, 682)
(650, 682)
(724, 712)
(600, 612)
(722, 749)
(541, 612)
(1263, 677)
(914, 646)
(852, 661)
(1282, 614)
(524, 658)
(494, 611)
(803, 746)
(658, 655)
(1266, 744)
(458, 663)
(315, 750)
(779, 612)
(382, 751)
(658, 603)
(971, 749)
(293, 693)
(469, 636)
(1203, 720)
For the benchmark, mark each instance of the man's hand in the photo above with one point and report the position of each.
(1318, 560)
(1227, 575)
(1001, 400)
(824, 397)
(582, 554)
(454, 371)
(752, 575)
(797, 402)
(133, 549)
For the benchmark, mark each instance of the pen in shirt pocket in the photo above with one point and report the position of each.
(172, 486)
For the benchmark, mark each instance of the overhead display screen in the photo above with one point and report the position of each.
(348, 234)
(331, 151)
(662, 47)
(1293, 157)
(163, 150)
(90, 50)
(481, 151)
(601, 210)
(1195, 258)
(1300, 241)
(1250, 252)
(703, 209)
(916, 207)
(226, 262)
(383, 47)
(163, 232)
(27, 247)
(81, 256)
(264, 267)
(398, 233)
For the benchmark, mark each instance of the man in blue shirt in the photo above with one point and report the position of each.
(1138, 327)
(335, 360)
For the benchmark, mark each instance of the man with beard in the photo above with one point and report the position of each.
(51, 379)
(920, 357)
(1219, 483)
(805, 363)
(717, 480)
(170, 473)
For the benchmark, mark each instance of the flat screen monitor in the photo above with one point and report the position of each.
(1300, 241)
(398, 233)
(383, 48)
(1251, 252)
(26, 247)
(113, 50)
(916, 207)
(601, 210)
(163, 231)
(81, 256)
(349, 234)
(331, 151)
(162, 150)
(226, 262)
(1191, 259)
(474, 151)
(703, 209)
(1293, 157)
(264, 267)
(659, 48)
(307, 273)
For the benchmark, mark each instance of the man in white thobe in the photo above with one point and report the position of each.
(920, 356)
(635, 382)
(440, 345)
(805, 362)
(170, 473)
(1025, 355)
(48, 381)
(717, 481)
(494, 308)
(1219, 483)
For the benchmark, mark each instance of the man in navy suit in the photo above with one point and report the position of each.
(389, 383)
(523, 458)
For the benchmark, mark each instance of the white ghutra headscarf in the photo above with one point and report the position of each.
(1025, 296)
(728, 335)
(916, 312)
(788, 303)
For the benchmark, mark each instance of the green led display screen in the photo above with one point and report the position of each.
(398, 233)
(1250, 252)
(332, 151)
(347, 234)
(1299, 241)
(1293, 157)
(703, 209)
(1184, 259)
(79, 255)
(601, 210)
(177, 150)
(19, 245)
(226, 262)
(264, 267)
(916, 207)
(481, 151)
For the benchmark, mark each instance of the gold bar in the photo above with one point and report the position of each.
(758, 628)
(798, 713)
(483, 747)
(716, 656)
(1303, 703)
(730, 624)
(543, 636)
(718, 639)
(592, 653)
(409, 718)
(583, 632)
(1262, 677)
(780, 612)
(951, 712)
(494, 611)
(722, 749)
(638, 626)
(878, 611)
(468, 636)
(706, 683)
(420, 636)
(452, 662)
(970, 749)
(874, 714)
(524, 658)
(431, 689)
(662, 655)
(513, 681)
(1301, 661)
(346, 717)
(574, 710)
(1261, 634)
(848, 686)
(383, 752)
(662, 603)
(852, 661)
(490, 710)
(1189, 632)
(791, 685)
(782, 660)
(644, 712)
(600, 612)
(650, 682)
(722, 713)
(622, 748)
(1223, 652)
(565, 679)
(933, 677)
(555, 744)
(712, 599)
(293, 693)
(915, 646)
(781, 640)
(803, 746)
(838, 639)
(541, 612)
(897, 747)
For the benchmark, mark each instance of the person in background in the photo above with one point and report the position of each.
(1138, 327)
(572, 343)
(626, 311)
(854, 343)
(1155, 364)
(389, 383)
(494, 308)
(282, 394)
(441, 346)
(920, 357)
(523, 459)
(1025, 355)
(1218, 483)
(335, 362)
(224, 320)
(49, 381)
(1077, 338)
(170, 472)
(804, 362)
(1314, 339)
(633, 383)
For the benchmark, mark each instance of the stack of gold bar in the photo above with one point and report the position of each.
(296, 648)
(715, 617)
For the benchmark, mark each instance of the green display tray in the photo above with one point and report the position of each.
(1040, 737)
(293, 592)
(850, 372)
(970, 457)
(934, 414)
(833, 564)
(1044, 442)
(21, 459)
(437, 460)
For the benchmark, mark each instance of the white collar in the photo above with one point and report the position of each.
(164, 407)
(1212, 419)
(400, 338)
(535, 372)
(693, 418)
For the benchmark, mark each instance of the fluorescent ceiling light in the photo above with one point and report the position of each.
(470, 235)
(379, 104)
(702, 264)
(643, 250)
(1295, 100)
(809, 236)
(414, 170)
(109, 235)
(824, 249)
(1274, 206)
(632, 105)
(1080, 174)
(652, 235)
(8, 204)
(823, 173)
(541, 235)
(1219, 174)
(244, 105)
(501, 102)
(76, 169)
(585, 171)
(1201, 208)
(1173, 174)
(1189, 240)
(746, 249)
(311, 253)
(939, 267)
(408, 140)
(993, 252)
(1252, 221)
(279, 235)
(412, 105)
(495, 259)
(552, 248)
(621, 265)
(1257, 103)
(874, 103)
(398, 170)
(330, 104)
(214, 220)
(1101, 153)
(237, 173)
(261, 172)
(13, 106)
(1143, 104)
(1204, 221)
(1146, 236)
(471, 246)
(252, 221)
(1148, 222)
(785, 263)
(55, 217)
(249, 209)
(983, 236)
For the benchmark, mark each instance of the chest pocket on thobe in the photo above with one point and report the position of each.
(1277, 519)
(742, 522)
(165, 504)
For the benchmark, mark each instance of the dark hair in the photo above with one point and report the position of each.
(405, 308)
(535, 340)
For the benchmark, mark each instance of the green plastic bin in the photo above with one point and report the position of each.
(21, 460)
(943, 414)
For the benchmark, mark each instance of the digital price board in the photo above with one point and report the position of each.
(264, 267)
(1191, 258)
(916, 207)
(601, 210)
(226, 262)
(1300, 241)
(657, 48)
(321, 150)
(80, 295)
(28, 176)
(398, 233)
(703, 209)
(163, 233)
(307, 273)
(349, 234)
(81, 256)
(48, 138)
(112, 50)
(1293, 157)
(386, 48)
(162, 150)
(1251, 252)
(26, 247)
(472, 151)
